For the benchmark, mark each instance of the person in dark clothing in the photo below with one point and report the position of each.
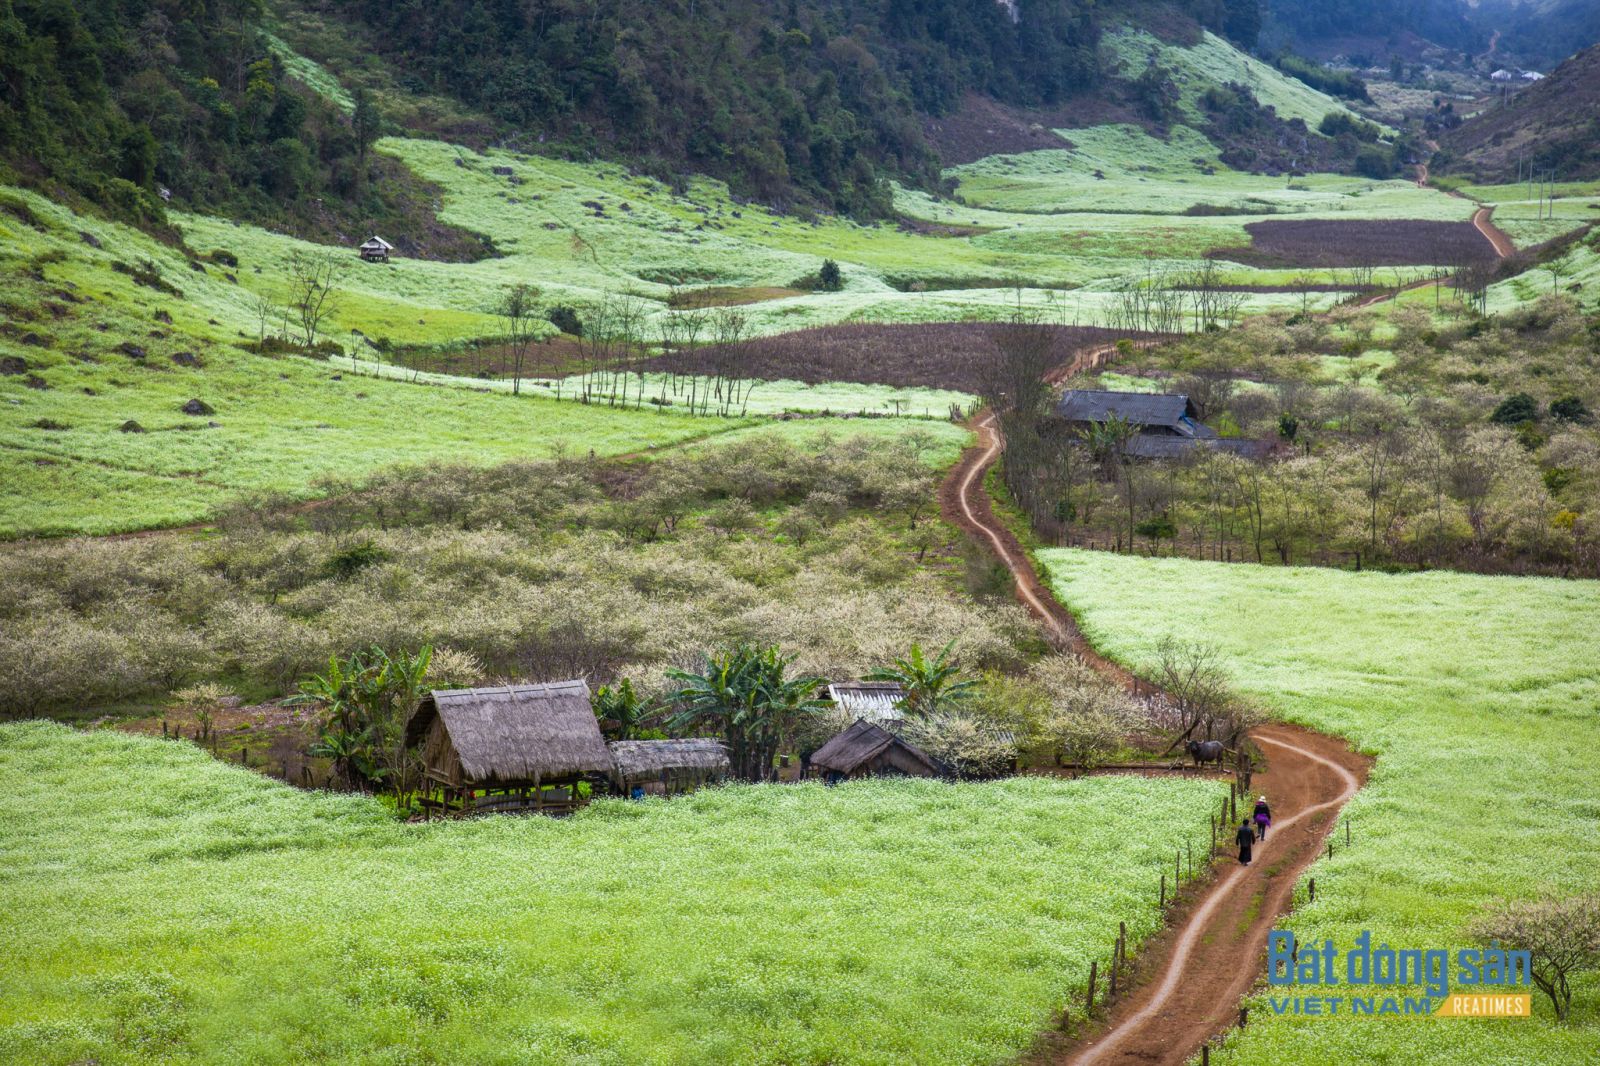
(1263, 818)
(1246, 838)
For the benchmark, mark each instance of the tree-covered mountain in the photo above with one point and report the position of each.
(814, 102)
(114, 102)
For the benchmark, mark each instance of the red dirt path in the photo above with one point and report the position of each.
(1186, 982)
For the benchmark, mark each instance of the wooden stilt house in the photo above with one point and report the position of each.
(375, 249)
(664, 767)
(867, 750)
(524, 748)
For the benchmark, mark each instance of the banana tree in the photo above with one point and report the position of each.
(927, 685)
(745, 693)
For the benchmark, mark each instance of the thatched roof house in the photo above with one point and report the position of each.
(876, 701)
(521, 741)
(674, 765)
(866, 750)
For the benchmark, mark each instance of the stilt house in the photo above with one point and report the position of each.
(519, 748)
(375, 249)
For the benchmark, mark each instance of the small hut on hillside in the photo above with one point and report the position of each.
(666, 766)
(866, 750)
(375, 249)
(876, 701)
(519, 748)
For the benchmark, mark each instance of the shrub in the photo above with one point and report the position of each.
(1515, 410)
(1571, 409)
(566, 319)
(353, 560)
(201, 702)
(829, 279)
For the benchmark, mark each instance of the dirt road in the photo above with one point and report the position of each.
(1188, 981)
(1482, 218)
(1198, 972)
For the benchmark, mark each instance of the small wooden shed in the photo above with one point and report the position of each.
(375, 249)
(867, 750)
(667, 766)
(519, 748)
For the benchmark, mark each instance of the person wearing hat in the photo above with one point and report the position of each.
(1263, 818)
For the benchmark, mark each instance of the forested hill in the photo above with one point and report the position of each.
(816, 102)
(815, 99)
(1554, 124)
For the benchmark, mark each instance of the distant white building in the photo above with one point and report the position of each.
(1501, 75)
(1532, 75)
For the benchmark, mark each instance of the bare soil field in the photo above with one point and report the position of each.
(1350, 243)
(946, 355)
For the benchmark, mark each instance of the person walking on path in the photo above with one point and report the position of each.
(1246, 838)
(1263, 818)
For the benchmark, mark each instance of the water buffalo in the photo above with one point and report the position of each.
(1204, 751)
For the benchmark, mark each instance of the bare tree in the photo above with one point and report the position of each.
(264, 311)
(518, 308)
(1191, 674)
(313, 291)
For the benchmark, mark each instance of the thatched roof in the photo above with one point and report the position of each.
(639, 759)
(518, 733)
(876, 701)
(860, 744)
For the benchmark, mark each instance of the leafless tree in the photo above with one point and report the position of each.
(1191, 674)
(313, 291)
(518, 308)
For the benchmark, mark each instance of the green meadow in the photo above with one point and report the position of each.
(161, 906)
(1478, 696)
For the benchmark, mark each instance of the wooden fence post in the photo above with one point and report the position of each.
(1163, 890)
(1089, 1003)
(1177, 871)
(1244, 1016)
(1347, 832)
(1313, 890)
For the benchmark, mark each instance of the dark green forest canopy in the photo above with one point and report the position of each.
(109, 101)
(810, 102)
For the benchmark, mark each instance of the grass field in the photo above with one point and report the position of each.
(162, 906)
(1478, 696)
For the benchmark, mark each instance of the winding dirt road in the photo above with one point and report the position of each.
(1187, 981)
(1483, 219)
